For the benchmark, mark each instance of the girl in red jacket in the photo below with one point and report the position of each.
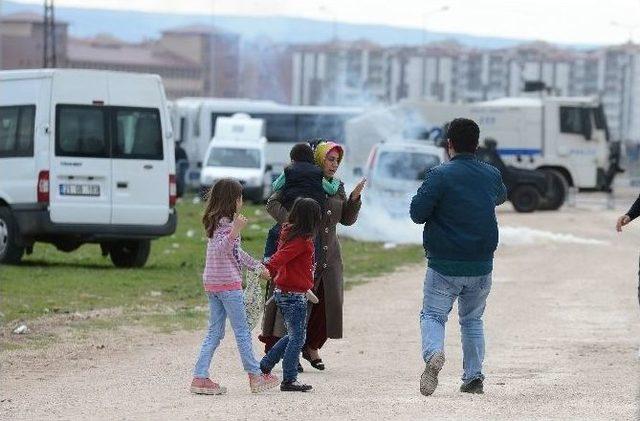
(291, 268)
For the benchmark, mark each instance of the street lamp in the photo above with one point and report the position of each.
(627, 27)
(425, 15)
(334, 31)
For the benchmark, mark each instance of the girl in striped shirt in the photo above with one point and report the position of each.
(222, 279)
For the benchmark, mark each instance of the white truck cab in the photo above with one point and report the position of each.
(85, 157)
(565, 137)
(238, 150)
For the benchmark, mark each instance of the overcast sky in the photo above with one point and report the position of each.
(566, 21)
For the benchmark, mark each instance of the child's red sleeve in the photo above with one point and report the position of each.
(285, 254)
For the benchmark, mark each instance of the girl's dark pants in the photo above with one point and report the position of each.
(317, 323)
(293, 307)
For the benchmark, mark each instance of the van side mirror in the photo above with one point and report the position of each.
(268, 168)
(357, 172)
(586, 123)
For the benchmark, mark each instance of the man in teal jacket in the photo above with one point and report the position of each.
(456, 203)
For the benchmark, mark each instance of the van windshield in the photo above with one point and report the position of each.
(234, 157)
(405, 165)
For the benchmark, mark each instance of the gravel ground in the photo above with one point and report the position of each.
(562, 328)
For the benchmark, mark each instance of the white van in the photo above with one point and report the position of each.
(396, 169)
(238, 150)
(85, 157)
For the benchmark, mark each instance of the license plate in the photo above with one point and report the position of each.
(79, 190)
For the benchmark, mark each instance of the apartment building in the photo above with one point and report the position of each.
(192, 60)
(22, 41)
(216, 53)
(444, 71)
(341, 73)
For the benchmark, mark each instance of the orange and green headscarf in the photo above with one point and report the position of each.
(323, 148)
(320, 153)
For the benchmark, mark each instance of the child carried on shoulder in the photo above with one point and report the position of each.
(301, 178)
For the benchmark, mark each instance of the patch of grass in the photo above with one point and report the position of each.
(9, 346)
(50, 281)
(172, 322)
(29, 341)
(352, 283)
(84, 327)
(362, 260)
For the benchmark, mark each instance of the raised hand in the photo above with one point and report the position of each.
(265, 274)
(238, 224)
(622, 221)
(357, 191)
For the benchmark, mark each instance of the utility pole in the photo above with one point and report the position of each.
(629, 28)
(211, 61)
(426, 15)
(334, 22)
(49, 55)
(423, 54)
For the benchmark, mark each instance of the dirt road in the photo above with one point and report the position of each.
(563, 331)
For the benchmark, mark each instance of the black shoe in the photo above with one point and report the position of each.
(300, 368)
(317, 363)
(294, 386)
(474, 386)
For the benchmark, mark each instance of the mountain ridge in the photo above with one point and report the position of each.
(137, 26)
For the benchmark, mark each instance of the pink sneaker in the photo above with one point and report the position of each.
(261, 382)
(206, 387)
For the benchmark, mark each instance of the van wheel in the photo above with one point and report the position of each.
(10, 252)
(525, 198)
(67, 246)
(557, 191)
(130, 254)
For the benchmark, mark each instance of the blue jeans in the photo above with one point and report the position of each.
(440, 292)
(293, 307)
(271, 245)
(221, 305)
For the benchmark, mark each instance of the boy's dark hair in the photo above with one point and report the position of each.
(304, 219)
(463, 134)
(301, 152)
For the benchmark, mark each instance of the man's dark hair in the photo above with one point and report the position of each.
(463, 134)
(301, 152)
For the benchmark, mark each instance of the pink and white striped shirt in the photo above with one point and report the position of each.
(225, 260)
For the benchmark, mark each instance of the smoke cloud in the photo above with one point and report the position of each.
(376, 224)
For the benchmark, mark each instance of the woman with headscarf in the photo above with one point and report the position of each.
(325, 319)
